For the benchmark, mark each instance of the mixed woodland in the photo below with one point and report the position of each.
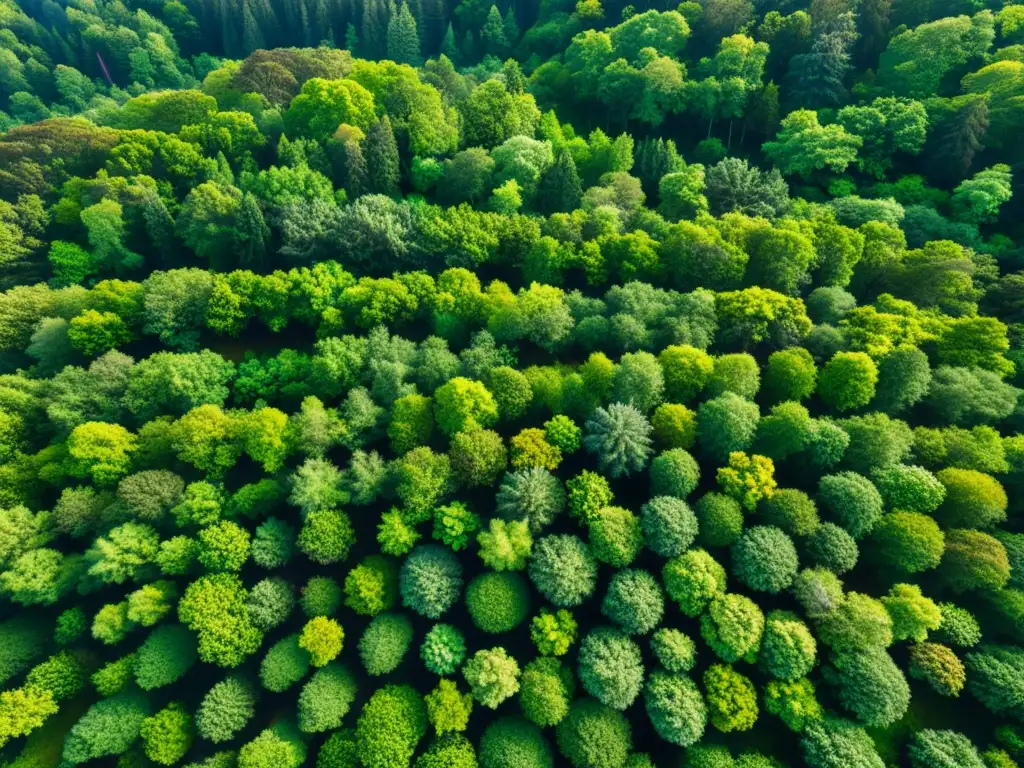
(435, 384)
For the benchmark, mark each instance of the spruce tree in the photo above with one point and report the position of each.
(403, 39)
(431, 26)
(448, 46)
(254, 235)
(354, 172)
(957, 138)
(493, 34)
(469, 52)
(382, 158)
(352, 44)
(252, 36)
(655, 158)
(560, 189)
(376, 15)
(511, 27)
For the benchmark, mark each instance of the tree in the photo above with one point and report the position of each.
(694, 579)
(732, 185)
(391, 724)
(870, 686)
(447, 709)
(403, 40)
(165, 657)
(592, 734)
(731, 699)
(560, 189)
(226, 709)
(610, 667)
(109, 727)
(563, 570)
(384, 643)
(511, 741)
(382, 156)
(430, 581)
(168, 734)
(931, 747)
(620, 436)
(443, 649)
(326, 699)
(492, 675)
(322, 105)
(804, 146)
(834, 742)
(765, 559)
(848, 380)
(938, 666)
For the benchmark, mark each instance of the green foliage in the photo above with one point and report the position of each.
(492, 675)
(384, 643)
(430, 580)
(610, 667)
(593, 735)
(731, 699)
(498, 602)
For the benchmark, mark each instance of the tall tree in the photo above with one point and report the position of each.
(376, 15)
(560, 188)
(431, 27)
(873, 25)
(817, 79)
(956, 138)
(382, 158)
(355, 174)
(448, 46)
(403, 38)
(253, 234)
(493, 34)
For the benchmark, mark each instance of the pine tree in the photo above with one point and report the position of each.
(655, 158)
(352, 44)
(511, 27)
(468, 47)
(254, 234)
(873, 25)
(560, 189)
(403, 39)
(448, 46)
(382, 158)
(817, 79)
(355, 177)
(376, 15)
(763, 112)
(493, 34)
(224, 175)
(515, 82)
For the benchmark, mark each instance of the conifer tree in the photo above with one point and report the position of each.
(431, 25)
(352, 43)
(468, 48)
(511, 27)
(493, 34)
(254, 234)
(252, 36)
(403, 39)
(448, 46)
(376, 15)
(382, 158)
(515, 81)
(355, 175)
(560, 188)
(957, 138)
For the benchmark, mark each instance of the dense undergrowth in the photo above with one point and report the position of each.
(381, 386)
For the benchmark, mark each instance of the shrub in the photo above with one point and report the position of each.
(731, 699)
(512, 742)
(610, 667)
(430, 580)
(546, 690)
(533, 495)
(615, 536)
(675, 707)
(674, 473)
(593, 735)
(284, 665)
(563, 570)
(634, 601)
(384, 643)
(226, 709)
(492, 675)
(443, 649)
(498, 602)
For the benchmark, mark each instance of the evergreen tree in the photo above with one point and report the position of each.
(376, 15)
(382, 158)
(448, 46)
(817, 78)
(957, 138)
(431, 25)
(493, 34)
(355, 174)
(252, 36)
(515, 81)
(655, 158)
(511, 27)
(254, 235)
(468, 48)
(560, 188)
(352, 44)
(873, 25)
(403, 39)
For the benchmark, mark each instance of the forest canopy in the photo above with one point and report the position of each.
(447, 384)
